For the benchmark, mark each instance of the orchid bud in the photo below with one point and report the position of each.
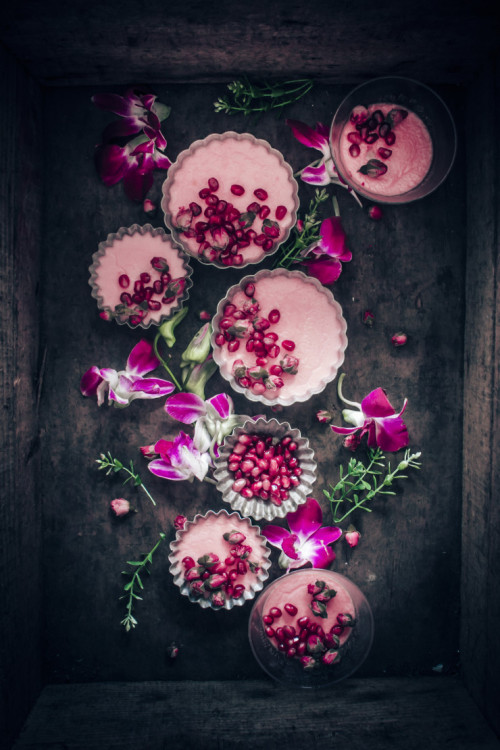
(166, 330)
(180, 522)
(375, 213)
(399, 339)
(120, 507)
(149, 207)
(368, 318)
(352, 536)
(324, 416)
(199, 376)
(198, 348)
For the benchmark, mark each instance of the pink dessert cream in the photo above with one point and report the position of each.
(279, 337)
(385, 149)
(219, 560)
(139, 276)
(230, 199)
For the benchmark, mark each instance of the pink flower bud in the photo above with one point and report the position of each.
(172, 651)
(149, 207)
(179, 522)
(105, 315)
(120, 506)
(205, 315)
(218, 598)
(368, 318)
(351, 442)
(308, 662)
(399, 339)
(346, 620)
(330, 657)
(375, 213)
(324, 416)
(352, 536)
(315, 644)
(234, 537)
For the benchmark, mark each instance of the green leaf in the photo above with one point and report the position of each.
(128, 586)
(133, 562)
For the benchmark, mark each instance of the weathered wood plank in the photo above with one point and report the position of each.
(20, 515)
(84, 43)
(431, 713)
(481, 451)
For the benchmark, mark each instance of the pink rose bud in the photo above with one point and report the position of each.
(324, 416)
(148, 451)
(351, 442)
(346, 620)
(173, 651)
(375, 213)
(105, 315)
(218, 598)
(352, 536)
(368, 318)
(330, 657)
(399, 339)
(179, 522)
(300, 225)
(120, 506)
(234, 537)
(149, 207)
(315, 644)
(308, 662)
(205, 315)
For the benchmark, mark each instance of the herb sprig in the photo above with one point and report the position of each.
(135, 584)
(361, 484)
(113, 465)
(250, 98)
(305, 233)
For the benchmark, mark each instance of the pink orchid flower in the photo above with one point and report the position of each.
(323, 171)
(324, 259)
(375, 417)
(138, 109)
(126, 385)
(307, 541)
(179, 459)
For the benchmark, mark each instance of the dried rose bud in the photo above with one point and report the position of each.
(218, 598)
(172, 651)
(308, 662)
(346, 620)
(324, 416)
(205, 315)
(368, 318)
(196, 587)
(318, 609)
(325, 595)
(180, 522)
(120, 506)
(399, 339)
(239, 368)
(351, 442)
(315, 588)
(105, 315)
(375, 213)
(234, 537)
(330, 657)
(289, 364)
(208, 560)
(352, 536)
(183, 218)
(215, 581)
(315, 644)
(149, 207)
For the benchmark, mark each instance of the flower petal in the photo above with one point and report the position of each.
(152, 387)
(142, 359)
(306, 519)
(185, 407)
(115, 103)
(111, 163)
(290, 549)
(333, 240)
(315, 175)
(391, 434)
(275, 535)
(164, 470)
(376, 404)
(321, 557)
(344, 430)
(326, 535)
(327, 270)
(317, 139)
(137, 184)
(90, 381)
(223, 404)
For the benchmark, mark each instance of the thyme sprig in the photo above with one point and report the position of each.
(113, 465)
(135, 584)
(250, 98)
(361, 484)
(305, 233)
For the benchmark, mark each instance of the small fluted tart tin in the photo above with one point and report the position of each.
(252, 481)
(139, 276)
(218, 563)
(230, 199)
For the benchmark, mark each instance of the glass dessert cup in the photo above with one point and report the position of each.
(279, 337)
(267, 493)
(139, 277)
(327, 657)
(230, 199)
(426, 139)
(206, 580)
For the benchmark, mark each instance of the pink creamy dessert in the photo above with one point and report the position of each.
(139, 276)
(230, 199)
(279, 337)
(309, 615)
(219, 559)
(385, 149)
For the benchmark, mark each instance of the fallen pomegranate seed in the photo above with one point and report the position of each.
(237, 189)
(260, 194)
(213, 184)
(288, 345)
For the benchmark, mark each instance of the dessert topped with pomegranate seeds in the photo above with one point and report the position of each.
(279, 337)
(139, 276)
(230, 199)
(385, 149)
(219, 560)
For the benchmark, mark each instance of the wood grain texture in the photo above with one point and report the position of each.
(481, 531)
(255, 715)
(83, 43)
(20, 517)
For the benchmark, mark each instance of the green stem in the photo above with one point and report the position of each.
(165, 365)
(129, 621)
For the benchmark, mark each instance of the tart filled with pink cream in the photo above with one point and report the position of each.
(230, 199)
(139, 276)
(219, 560)
(279, 337)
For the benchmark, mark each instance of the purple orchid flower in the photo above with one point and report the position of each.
(128, 384)
(324, 258)
(179, 459)
(322, 171)
(307, 541)
(138, 109)
(376, 417)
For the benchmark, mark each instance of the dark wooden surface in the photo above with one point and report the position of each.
(113, 41)
(20, 523)
(432, 713)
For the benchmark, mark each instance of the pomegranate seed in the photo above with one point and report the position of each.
(275, 612)
(268, 620)
(134, 320)
(188, 562)
(260, 239)
(384, 153)
(153, 304)
(159, 263)
(195, 208)
(390, 138)
(213, 184)
(219, 339)
(268, 245)
(229, 309)
(371, 138)
(288, 345)
(237, 189)
(273, 352)
(260, 194)
(253, 207)
(249, 289)
(275, 370)
(303, 622)
(204, 193)
(281, 212)
(233, 345)
(280, 636)
(354, 137)
(384, 129)
(262, 361)
(274, 316)
(238, 259)
(124, 281)
(264, 212)
(291, 609)
(221, 206)
(126, 299)
(269, 632)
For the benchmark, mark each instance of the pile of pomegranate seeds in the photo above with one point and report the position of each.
(264, 467)
(306, 640)
(374, 128)
(221, 230)
(149, 292)
(272, 359)
(215, 579)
